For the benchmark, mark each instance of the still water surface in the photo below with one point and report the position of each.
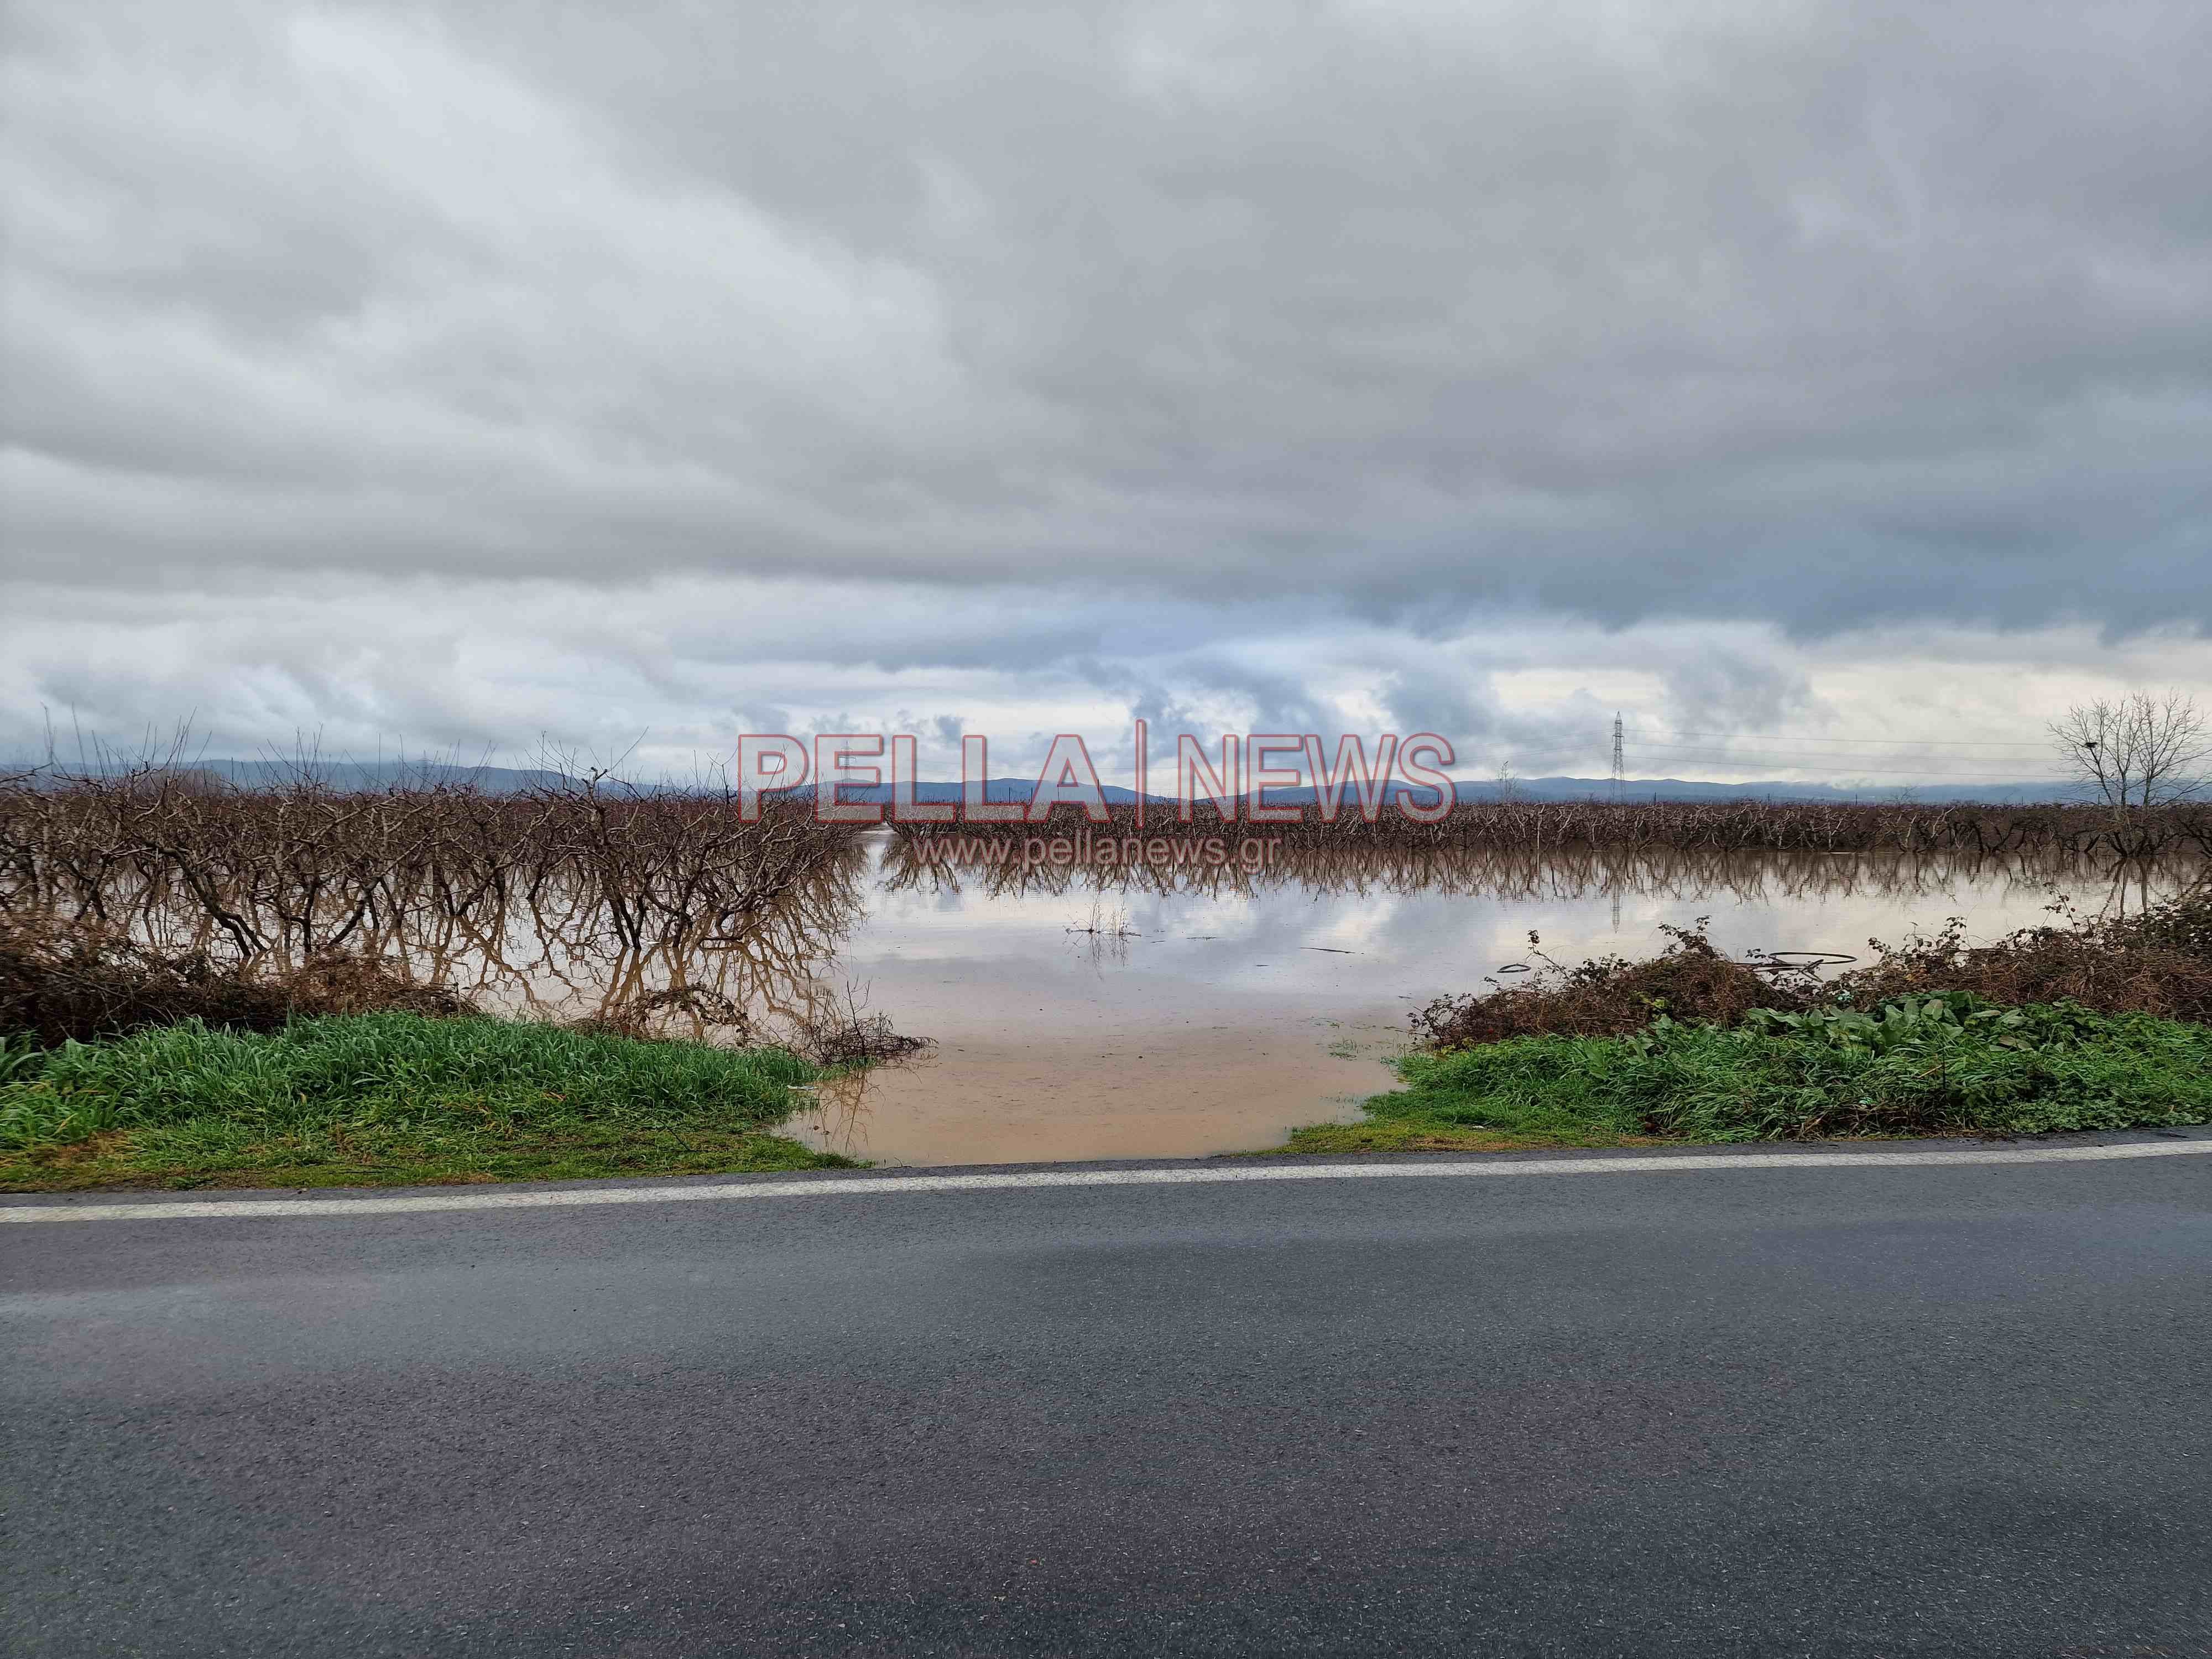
(1206, 1021)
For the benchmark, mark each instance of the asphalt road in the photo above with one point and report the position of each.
(1954, 1411)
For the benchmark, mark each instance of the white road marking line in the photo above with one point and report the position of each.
(882, 1186)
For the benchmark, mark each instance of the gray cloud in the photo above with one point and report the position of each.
(1726, 688)
(668, 673)
(476, 371)
(1813, 314)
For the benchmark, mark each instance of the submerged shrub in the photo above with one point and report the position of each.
(1983, 829)
(1612, 996)
(67, 978)
(2158, 962)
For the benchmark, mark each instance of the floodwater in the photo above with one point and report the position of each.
(1159, 1013)
(1072, 1023)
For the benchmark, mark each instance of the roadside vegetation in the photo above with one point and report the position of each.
(122, 1064)
(380, 1098)
(2157, 961)
(204, 985)
(2103, 1023)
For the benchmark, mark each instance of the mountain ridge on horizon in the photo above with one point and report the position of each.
(507, 781)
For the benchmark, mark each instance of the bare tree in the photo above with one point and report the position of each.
(2140, 750)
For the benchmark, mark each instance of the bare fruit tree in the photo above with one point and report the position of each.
(2145, 749)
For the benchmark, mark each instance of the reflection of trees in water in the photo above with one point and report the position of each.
(1572, 872)
(577, 897)
(769, 945)
(2078, 829)
(2142, 885)
(551, 960)
(558, 951)
(837, 1120)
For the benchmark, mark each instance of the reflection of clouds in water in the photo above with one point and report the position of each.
(1441, 922)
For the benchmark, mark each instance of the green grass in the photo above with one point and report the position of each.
(378, 1099)
(1916, 1065)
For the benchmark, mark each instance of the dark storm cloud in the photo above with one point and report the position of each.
(1819, 314)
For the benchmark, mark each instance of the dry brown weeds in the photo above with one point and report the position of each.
(83, 980)
(2158, 962)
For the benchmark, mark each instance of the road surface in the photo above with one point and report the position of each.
(1909, 1409)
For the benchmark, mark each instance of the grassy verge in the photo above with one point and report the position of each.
(388, 1099)
(1912, 1065)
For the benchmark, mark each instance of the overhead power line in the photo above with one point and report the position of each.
(1894, 743)
(1827, 765)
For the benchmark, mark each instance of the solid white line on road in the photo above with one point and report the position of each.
(887, 1185)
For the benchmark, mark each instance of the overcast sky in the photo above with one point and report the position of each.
(1827, 386)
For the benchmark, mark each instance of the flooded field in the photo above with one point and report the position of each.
(1213, 1020)
(1120, 1014)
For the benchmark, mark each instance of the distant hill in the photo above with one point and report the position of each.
(1471, 792)
(1692, 789)
(346, 774)
(508, 780)
(1019, 789)
(384, 774)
